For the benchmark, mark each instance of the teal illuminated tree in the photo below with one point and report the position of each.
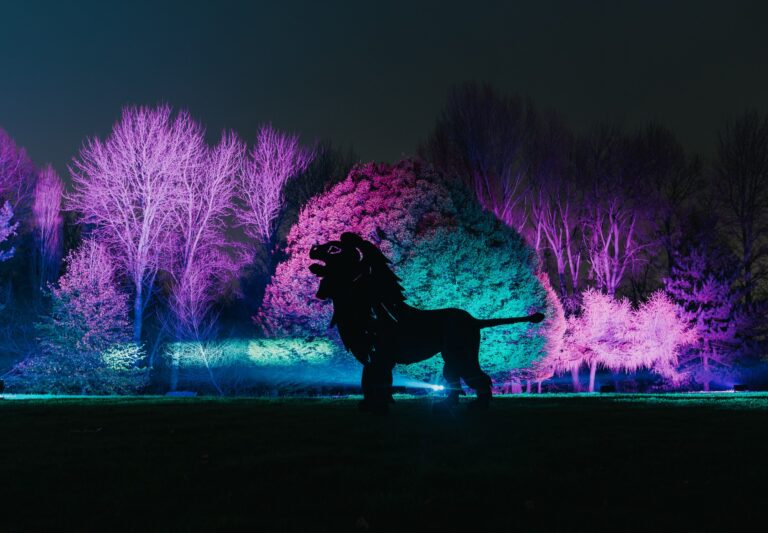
(447, 250)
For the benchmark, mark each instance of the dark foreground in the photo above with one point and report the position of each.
(537, 463)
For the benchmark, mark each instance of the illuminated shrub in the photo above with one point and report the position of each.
(448, 252)
(85, 342)
(279, 352)
(609, 333)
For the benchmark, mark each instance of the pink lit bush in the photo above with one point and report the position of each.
(609, 333)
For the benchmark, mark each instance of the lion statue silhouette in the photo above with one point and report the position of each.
(381, 330)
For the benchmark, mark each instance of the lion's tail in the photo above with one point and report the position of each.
(536, 317)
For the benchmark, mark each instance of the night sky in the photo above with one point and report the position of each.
(372, 74)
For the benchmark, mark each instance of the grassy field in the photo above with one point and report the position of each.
(565, 463)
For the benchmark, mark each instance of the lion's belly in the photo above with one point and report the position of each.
(423, 334)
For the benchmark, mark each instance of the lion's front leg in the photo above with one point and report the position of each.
(377, 387)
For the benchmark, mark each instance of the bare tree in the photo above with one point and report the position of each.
(127, 187)
(614, 222)
(275, 158)
(48, 221)
(484, 139)
(556, 203)
(741, 189)
(205, 257)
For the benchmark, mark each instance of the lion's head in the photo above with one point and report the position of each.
(354, 264)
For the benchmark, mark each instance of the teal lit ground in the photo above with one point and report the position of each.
(618, 462)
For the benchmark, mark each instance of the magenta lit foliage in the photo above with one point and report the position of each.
(275, 158)
(609, 333)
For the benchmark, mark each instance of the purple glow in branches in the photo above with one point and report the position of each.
(203, 252)
(127, 187)
(275, 158)
(17, 174)
(46, 209)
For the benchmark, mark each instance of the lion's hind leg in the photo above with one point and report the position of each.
(452, 375)
(474, 376)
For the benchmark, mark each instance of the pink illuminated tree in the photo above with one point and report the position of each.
(275, 158)
(609, 333)
(127, 187)
(659, 338)
(46, 209)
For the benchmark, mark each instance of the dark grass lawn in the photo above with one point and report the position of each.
(618, 462)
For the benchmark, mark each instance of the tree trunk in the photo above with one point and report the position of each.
(575, 379)
(705, 364)
(563, 288)
(138, 312)
(592, 372)
(528, 386)
(538, 386)
(175, 362)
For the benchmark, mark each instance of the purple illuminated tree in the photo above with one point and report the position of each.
(127, 187)
(702, 285)
(609, 333)
(7, 230)
(275, 158)
(46, 209)
(205, 257)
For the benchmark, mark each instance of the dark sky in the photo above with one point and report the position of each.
(372, 74)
